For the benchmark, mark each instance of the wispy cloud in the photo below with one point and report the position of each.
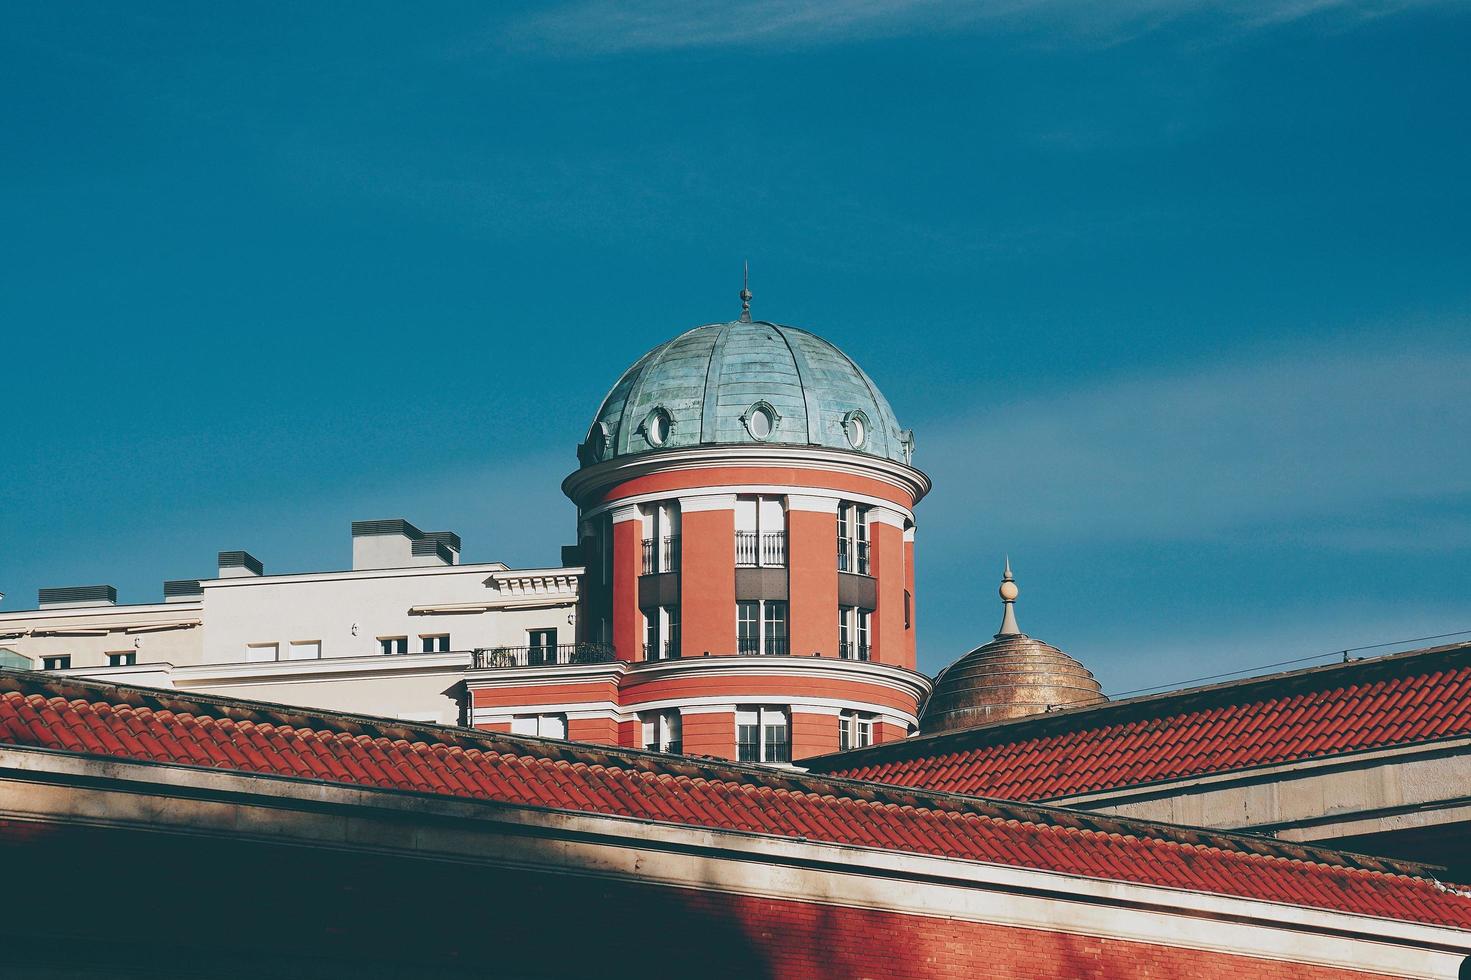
(1355, 447)
(606, 26)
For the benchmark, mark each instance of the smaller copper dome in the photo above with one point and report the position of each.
(1012, 676)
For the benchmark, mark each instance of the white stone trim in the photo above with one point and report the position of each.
(699, 501)
(745, 490)
(125, 794)
(901, 679)
(909, 534)
(119, 611)
(886, 514)
(582, 483)
(624, 512)
(410, 571)
(501, 715)
(295, 671)
(814, 503)
(712, 705)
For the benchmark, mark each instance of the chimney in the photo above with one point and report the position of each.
(182, 590)
(395, 543)
(240, 564)
(76, 595)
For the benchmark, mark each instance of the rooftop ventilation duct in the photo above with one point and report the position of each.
(77, 595)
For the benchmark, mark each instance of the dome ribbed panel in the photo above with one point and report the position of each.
(673, 378)
(757, 366)
(709, 377)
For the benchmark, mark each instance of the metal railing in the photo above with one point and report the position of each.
(542, 656)
(774, 646)
(849, 650)
(768, 548)
(668, 650)
(661, 556)
(852, 556)
(747, 751)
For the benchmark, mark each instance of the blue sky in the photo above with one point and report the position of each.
(1175, 294)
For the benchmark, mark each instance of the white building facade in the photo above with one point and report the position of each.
(394, 635)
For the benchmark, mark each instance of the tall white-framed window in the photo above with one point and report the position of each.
(669, 620)
(761, 627)
(661, 633)
(761, 531)
(546, 726)
(855, 730)
(763, 734)
(662, 731)
(853, 633)
(660, 523)
(434, 642)
(257, 653)
(304, 650)
(853, 538)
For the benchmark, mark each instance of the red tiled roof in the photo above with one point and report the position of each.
(1403, 699)
(98, 719)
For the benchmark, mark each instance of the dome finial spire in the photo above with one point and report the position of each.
(1009, 592)
(746, 293)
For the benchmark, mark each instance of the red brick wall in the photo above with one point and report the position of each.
(912, 632)
(813, 579)
(710, 734)
(890, 643)
(707, 582)
(813, 734)
(628, 625)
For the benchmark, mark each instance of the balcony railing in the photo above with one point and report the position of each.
(542, 656)
(774, 646)
(668, 650)
(852, 556)
(775, 751)
(849, 650)
(661, 555)
(768, 548)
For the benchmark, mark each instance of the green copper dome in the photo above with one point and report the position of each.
(745, 383)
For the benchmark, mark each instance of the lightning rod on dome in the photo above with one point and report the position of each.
(746, 292)
(1009, 592)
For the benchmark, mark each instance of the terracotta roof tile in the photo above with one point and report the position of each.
(110, 720)
(1370, 704)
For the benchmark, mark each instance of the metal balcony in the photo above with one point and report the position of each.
(661, 556)
(562, 654)
(751, 646)
(853, 556)
(754, 549)
(849, 650)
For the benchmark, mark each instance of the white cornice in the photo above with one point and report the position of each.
(909, 682)
(271, 671)
(411, 571)
(30, 617)
(581, 485)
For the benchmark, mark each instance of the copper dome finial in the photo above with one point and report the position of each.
(746, 293)
(1009, 592)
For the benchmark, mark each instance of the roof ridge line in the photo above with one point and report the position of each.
(820, 784)
(1048, 724)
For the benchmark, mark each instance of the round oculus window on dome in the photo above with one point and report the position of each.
(761, 421)
(657, 427)
(855, 427)
(595, 446)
